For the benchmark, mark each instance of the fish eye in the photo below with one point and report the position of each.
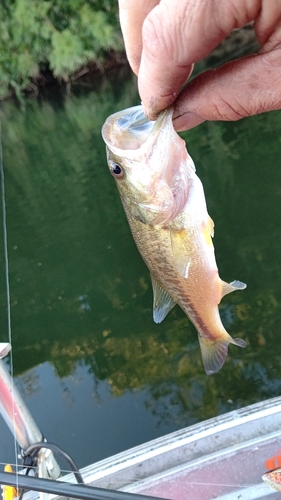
(116, 170)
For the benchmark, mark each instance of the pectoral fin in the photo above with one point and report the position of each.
(180, 251)
(162, 302)
(214, 352)
(231, 287)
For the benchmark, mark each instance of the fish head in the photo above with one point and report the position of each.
(150, 164)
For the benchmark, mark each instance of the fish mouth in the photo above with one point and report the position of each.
(134, 122)
(129, 129)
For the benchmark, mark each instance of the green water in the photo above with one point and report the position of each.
(98, 375)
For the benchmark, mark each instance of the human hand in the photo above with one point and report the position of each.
(164, 38)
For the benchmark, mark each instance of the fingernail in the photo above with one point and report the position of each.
(150, 114)
(187, 121)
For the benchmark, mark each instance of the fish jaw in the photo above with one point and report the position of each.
(156, 165)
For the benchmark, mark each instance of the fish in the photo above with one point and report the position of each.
(165, 205)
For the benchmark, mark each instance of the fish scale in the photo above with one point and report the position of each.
(149, 240)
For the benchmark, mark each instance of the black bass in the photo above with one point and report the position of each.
(166, 209)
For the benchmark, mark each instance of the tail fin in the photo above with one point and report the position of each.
(214, 352)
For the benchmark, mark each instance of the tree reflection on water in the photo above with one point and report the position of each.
(80, 292)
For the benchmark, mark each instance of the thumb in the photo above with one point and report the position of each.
(240, 88)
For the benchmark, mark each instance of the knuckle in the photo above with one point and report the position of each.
(272, 59)
(228, 111)
(153, 35)
(168, 36)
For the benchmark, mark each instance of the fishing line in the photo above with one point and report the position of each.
(8, 299)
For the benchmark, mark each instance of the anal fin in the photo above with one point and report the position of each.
(162, 302)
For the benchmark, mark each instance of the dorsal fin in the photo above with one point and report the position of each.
(162, 301)
(232, 287)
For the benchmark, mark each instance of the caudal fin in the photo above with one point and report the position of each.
(214, 352)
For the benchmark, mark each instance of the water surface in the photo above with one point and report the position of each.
(82, 328)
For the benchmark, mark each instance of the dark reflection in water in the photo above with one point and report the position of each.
(82, 326)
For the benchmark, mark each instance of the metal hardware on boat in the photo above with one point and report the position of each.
(36, 449)
(19, 419)
(15, 413)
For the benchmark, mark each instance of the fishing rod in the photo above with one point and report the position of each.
(20, 422)
(81, 491)
(37, 453)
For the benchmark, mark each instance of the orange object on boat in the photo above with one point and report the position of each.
(273, 462)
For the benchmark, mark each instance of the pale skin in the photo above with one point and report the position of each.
(165, 38)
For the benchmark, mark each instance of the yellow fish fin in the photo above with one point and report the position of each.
(180, 251)
(162, 301)
(211, 226)
(231, 287)
(214, 352)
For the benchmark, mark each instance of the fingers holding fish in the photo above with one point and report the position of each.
(175, 35)
(164, 39)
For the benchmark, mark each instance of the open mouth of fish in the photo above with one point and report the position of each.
(129, 129)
